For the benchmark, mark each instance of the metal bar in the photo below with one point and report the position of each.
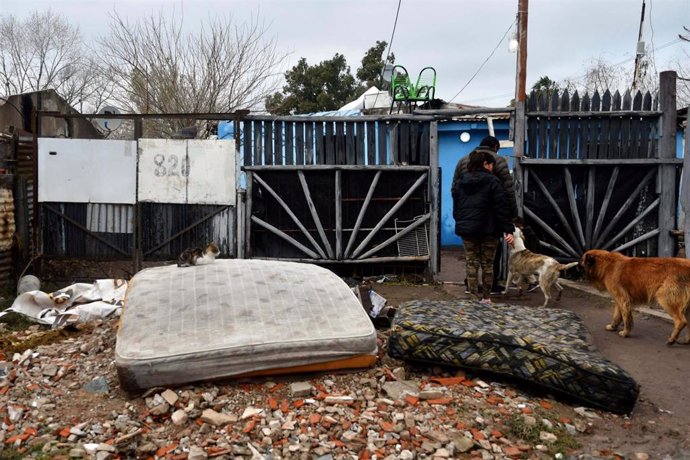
(611, 161)
(84, 229)
(389, 214)
(336, 168)
(338, 215)
(362, 211)
(555, 207)
(551, 232)
(291, 214)
(605, 203)
(625, 207)
(395, 237)
(632, 223)
(315, 215)
(186, 229)
(639, 239)
(286, 237)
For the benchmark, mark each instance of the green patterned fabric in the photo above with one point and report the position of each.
(543, 346)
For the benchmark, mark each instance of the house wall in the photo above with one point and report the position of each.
(451, 150)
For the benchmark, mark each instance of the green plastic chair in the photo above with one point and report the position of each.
(404, 92)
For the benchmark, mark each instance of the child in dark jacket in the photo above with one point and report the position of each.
(481, 214)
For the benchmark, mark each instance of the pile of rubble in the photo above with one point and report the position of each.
(62, 400)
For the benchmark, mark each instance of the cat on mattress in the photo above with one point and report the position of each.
(196, 256)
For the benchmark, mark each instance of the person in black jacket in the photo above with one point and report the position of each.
(482, 215)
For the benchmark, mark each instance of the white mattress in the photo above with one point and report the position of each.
(234, 317)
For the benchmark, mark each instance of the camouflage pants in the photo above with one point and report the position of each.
(479, 254)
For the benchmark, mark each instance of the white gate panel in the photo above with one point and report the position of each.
(187, 171)
(86, 171)
(211, 172)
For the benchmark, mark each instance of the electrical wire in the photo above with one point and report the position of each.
(390, 44)
(485, 60)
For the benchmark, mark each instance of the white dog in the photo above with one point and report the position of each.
(523, 264)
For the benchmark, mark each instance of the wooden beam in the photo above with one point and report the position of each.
(555, 207)
(372, 260)
(639, 239)
(248, 216)
(667, 173)
(632, 223)
(554, 248)
(335, 168)
(573, 205)
(589, 206)
(435, 200)
(286, 237)
(389, 214)
(395, 237)
(631, 199)
(590, 114)
(551, 232)
(611, 161)
(338, 215)
(362, 211)
(604, 205)
(291, 214)
(315, 215)
(685, 190)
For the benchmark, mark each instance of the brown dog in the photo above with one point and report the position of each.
(641, 281)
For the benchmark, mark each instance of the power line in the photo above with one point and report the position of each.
(485, 60)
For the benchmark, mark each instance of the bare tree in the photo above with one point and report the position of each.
(601, 75)
(156, 67)
(44, 51)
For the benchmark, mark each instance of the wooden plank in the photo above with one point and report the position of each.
(605, 203)
(645, 129)
(340, 153)
(685, 191)
(248, 216)
(553, 137)
(285, 236)
(542, 152)
(319, 144)
(637, 240)
(564, 106)
(360, 138)
(349, 129)
(647, 101)
(425, 146)
(382, 143)
(594, 127)
(626, 205)
(653, 205)
(606, 101)
(309, 143)
(290, 157)
(258, 150)
(371, 142)
(625, 138)
(268, 143)
(667, 173)
(556, 208)
(589, 206)
(395, 237)
(315, 214)
(414, 143)
(435, 199)
(362, 212)
(299, 142)
(631, 161)
(292, 215)
(532, 132)
(573, 206)
(404, 143)
(551, 232)
(329, 142)
(338, 215)
(389, 214)
(381, 167)
(394, 157)
(278, 154)
(247, 135)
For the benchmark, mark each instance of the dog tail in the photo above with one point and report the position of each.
(562, 267)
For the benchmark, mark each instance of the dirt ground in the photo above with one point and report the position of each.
(660, 423)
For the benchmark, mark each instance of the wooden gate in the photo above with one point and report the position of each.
(342, 190)
(598, 173)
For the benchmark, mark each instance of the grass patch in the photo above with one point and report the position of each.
(530, 434)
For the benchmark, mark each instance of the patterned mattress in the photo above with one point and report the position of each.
(546, 347)
(238, 317)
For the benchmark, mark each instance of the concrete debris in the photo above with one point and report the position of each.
(62, 400)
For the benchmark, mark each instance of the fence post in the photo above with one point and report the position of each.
(685, 190)
(667, 172)
(435, 198)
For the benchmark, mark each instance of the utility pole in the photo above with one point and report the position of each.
(640, 51)
(520, 93)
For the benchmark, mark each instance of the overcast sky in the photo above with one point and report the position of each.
(454, 36)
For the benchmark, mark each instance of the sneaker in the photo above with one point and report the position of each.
(486, 302)
(496, 290)
(532, 287)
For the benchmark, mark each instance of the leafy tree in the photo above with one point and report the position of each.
(546, 84)
(327, 85)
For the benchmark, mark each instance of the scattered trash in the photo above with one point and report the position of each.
(377, 302)
(28, 283)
